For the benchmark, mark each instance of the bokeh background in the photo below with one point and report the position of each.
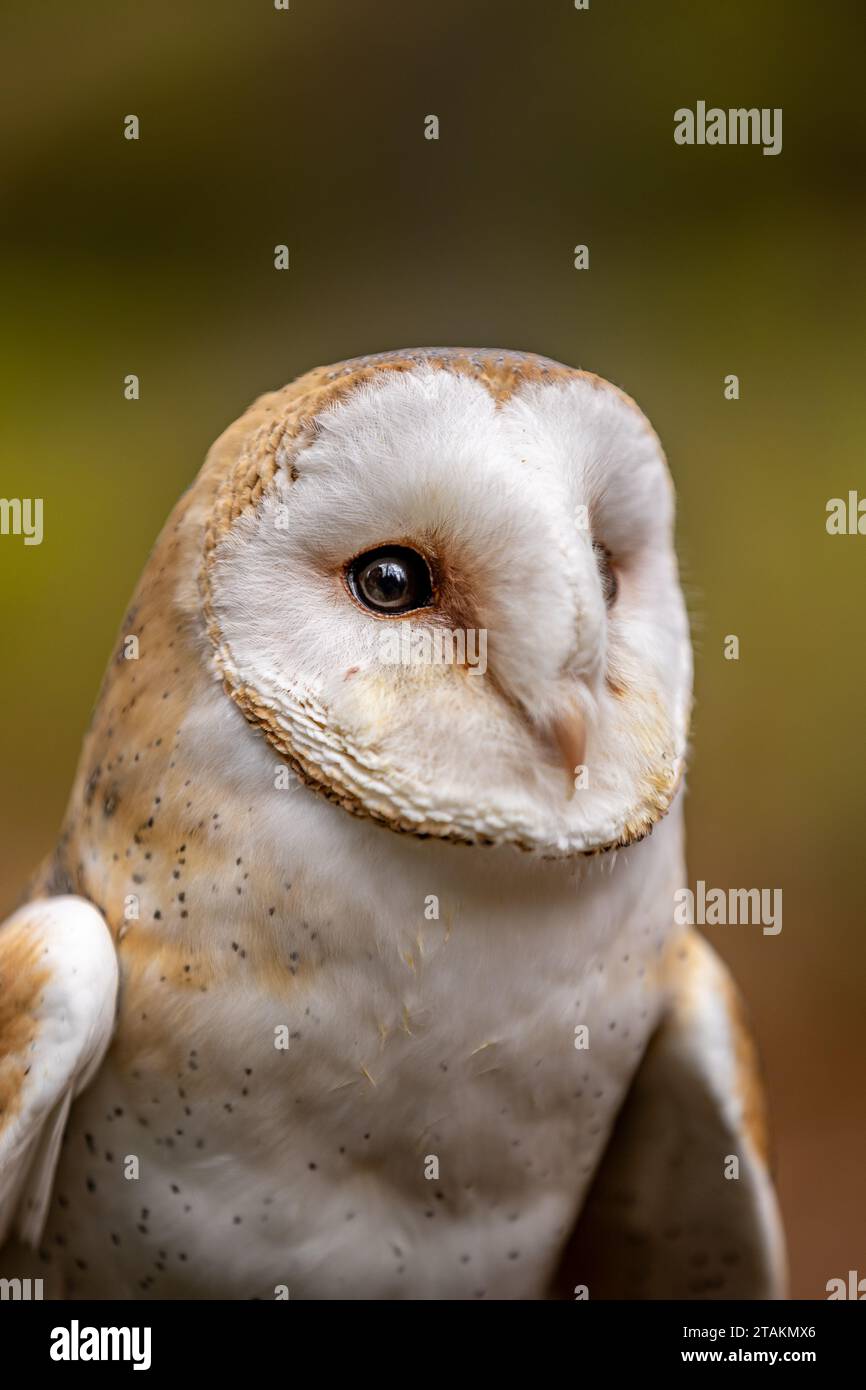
(556, 127)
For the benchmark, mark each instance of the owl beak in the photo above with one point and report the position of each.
(569, 734)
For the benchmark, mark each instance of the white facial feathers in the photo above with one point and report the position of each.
(508, 498)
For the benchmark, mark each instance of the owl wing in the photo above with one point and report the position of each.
(58, 988)
(683, 1205)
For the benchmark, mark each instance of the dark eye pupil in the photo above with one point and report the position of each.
(609, 585)
(393, 579)
(385, 582)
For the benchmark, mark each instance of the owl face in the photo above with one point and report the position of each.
(442, 585)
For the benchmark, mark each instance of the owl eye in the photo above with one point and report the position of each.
(609, 585)
(391, 579)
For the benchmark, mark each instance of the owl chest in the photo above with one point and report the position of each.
(390, 1123)
(397, 1136)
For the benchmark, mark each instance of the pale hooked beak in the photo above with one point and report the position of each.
(569, 734)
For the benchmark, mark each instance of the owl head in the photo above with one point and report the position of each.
(441, 583)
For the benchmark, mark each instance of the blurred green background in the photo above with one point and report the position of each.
(306, 127)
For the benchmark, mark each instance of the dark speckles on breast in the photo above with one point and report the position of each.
(91, 784)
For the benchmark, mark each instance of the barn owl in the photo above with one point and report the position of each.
(356, 975)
